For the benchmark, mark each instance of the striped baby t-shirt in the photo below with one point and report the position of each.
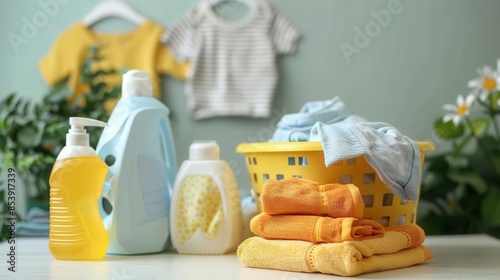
(233, 63)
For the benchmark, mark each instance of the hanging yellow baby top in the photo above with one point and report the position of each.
(138, 49)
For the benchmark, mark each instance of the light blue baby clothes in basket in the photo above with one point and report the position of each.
(297, 127)
(395, 157)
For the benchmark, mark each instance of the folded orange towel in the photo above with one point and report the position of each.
(314, 228)
(304, 197)
(400, 247)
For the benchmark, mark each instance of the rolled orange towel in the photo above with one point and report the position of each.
(398, 248)
(314, 228)
(304, 197)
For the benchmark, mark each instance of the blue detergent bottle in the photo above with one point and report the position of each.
(138, 147)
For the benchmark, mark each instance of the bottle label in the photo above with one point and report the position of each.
(200, 206)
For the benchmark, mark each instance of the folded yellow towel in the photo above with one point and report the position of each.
(400, 247)
(304, 197)
(314, 228)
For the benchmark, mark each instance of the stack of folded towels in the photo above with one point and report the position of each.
(308, 227)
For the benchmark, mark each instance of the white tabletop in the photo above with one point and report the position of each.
(455, 257)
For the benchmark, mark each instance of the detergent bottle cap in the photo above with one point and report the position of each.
(204, 150)
(77, 135)
(137, 83)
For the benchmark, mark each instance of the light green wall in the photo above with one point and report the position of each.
(421, 59)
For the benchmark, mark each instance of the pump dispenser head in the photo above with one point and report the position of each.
(137, 83)
(204, 150)
(77, 135)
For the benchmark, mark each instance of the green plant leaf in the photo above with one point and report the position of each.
(491, 207)
(494, 97)
(3, 143)
(37, 110)
(8, 159)
(103, 73)
(4, 125)
(490, 143)
(115, 92)
(28, 136)
(495, 158)
(432, 224)
(447, 130)
(58, 94)
(486, 159)
(50, 160)
(17, 104)
(437, 164)
(26, 107)
(470, 178)
(26, 162)
(8, 100)
(123, 70)
(479, 125)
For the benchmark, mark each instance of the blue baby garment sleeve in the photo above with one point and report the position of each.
(395, 157)
(297, 127)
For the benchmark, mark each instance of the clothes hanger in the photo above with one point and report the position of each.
(245, 2)
(112, 8)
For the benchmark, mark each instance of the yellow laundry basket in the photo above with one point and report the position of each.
(273, 160)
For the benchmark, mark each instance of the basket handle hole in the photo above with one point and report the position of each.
(369, 178)
(303, 161)
(401, 219)
(291, 160)
(352, 161)
(265, 177)
(384, 221)
(345, 179)
(259, 199)
(280, 176)
(388, 198)
(368, 200)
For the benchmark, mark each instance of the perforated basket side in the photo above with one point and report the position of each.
(380, 203)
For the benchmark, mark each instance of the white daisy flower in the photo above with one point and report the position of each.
(487, 82)
(459, 110)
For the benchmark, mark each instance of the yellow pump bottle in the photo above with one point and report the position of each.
(76, 180)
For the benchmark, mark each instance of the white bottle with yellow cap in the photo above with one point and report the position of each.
(205, 213)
